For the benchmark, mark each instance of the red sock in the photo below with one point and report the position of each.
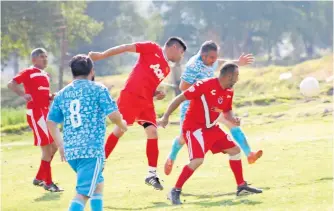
(236, 167)
(152, 152)
(110, 145)
(40, 173)
(184, 176)
(47, 172)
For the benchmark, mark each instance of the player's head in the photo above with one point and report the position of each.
(209, 52)
(39, 58)
(82, 67)
(229, 74)
(175, 48)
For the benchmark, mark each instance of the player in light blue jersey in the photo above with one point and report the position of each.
(82, 108)
(202, 66)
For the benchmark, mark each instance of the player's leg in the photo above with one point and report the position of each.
(226, 145)
(89, 175)
(96, 201)
(196, 151)
(126, 105)
(178, 142)
(152, 154)
(241, 139)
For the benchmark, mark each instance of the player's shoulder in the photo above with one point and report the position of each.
(194, 63)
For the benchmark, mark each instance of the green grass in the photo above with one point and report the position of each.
(296, 171)
(13, 116)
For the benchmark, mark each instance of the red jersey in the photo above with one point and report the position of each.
(36, 83)
(207, 102)
(151, 68)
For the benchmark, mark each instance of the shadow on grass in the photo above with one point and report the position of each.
(48, 197)
(203, 203)
(325, 179)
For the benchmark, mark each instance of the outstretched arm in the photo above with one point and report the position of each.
(171, 108)
(95, 56)
(242, 61)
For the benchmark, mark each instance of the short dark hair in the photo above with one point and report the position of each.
(81, 65)
(228, 67)
(209, 46)
(176, 40)
(37, 52)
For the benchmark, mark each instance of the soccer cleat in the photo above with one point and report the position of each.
(168, 166)
(38, 182)
(245, 189)
(253, 156)
(53, 188)
(154, 181)
(174, 196)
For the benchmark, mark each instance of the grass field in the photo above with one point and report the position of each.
(296, 171)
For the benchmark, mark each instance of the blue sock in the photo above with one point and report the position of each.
(96, 202)
(240, 138)
(77, 205)
(175, 149)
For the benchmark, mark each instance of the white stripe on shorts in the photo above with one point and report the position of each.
(94, 179)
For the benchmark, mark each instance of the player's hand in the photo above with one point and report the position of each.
(52, 96)
(27, 97)
(62, 154)
(245, 59)
(159, 95)
(163, 121)
(95, 55)
(236, 121)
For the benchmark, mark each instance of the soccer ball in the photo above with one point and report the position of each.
(309, 87)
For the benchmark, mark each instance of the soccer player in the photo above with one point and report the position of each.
(37, 96)
(82, 107)
(202, 66)
(136, 99)
(209, 100)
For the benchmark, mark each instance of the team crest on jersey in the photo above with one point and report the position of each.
(192, 89)
(220, 100)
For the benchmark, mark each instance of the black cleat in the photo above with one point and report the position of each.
(174, 196)
(154, 181)
(53, 188)
(38, 182)
(245, 189)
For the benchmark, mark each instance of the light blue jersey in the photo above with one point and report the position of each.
(82, 106)
(195, 70)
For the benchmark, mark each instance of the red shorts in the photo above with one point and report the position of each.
(37, 121)
(136, 109)
(199, 141)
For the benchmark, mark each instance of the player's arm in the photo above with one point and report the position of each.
(55, 117)
(117, 118)
(15, 87)
(230, 120)
(189, 76)
(139, 47)
(95, 56)
(242, 61)
(171, 108)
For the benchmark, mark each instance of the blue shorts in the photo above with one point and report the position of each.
(89, 174)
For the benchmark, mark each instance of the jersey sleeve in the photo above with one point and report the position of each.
(21, 76)
(228, 105)
(106, 103)
(55, 113)
(146, 47)
(190, 73)
(195, 91)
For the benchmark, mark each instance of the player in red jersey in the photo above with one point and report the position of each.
(209, 100)
(37, 95)
(136, 99)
